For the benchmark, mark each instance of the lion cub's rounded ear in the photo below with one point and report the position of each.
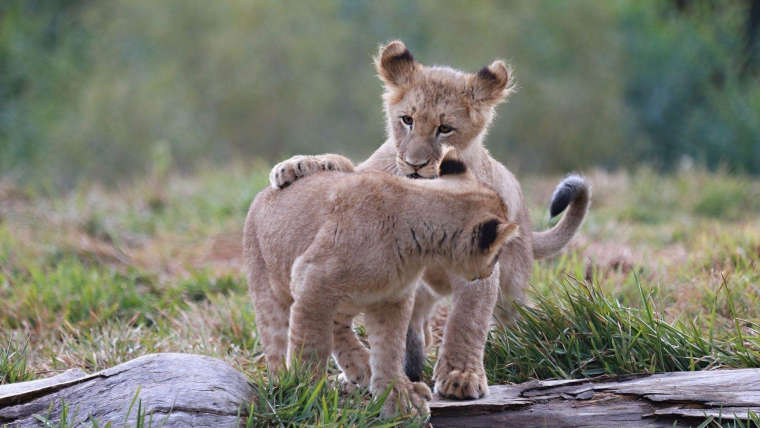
(494, 232)
(395, 64)
(451, 164)
(492, 84)
(506, 232)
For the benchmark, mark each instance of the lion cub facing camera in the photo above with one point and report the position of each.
(336, 244)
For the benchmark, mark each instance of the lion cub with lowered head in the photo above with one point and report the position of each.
(336, 244)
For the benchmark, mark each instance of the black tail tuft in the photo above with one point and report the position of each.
(415, 355)
(565, 193)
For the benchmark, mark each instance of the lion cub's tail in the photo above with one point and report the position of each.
(573, 191)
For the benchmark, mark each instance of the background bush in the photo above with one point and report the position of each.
(94, 89)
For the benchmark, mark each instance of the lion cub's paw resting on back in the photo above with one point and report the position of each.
(336, 244)
(286, 172)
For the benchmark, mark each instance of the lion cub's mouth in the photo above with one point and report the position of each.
(415, 176)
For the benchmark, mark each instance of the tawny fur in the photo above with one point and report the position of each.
(431, 97)
(336, 244)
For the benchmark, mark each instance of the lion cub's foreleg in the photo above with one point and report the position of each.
(386, 329)
(459, 371)
(286, 172)
(352, 356)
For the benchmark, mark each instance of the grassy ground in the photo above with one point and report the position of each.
(664, 276)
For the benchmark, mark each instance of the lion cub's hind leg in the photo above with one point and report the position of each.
(418, 334)
(271, 313)
(272, 325)
(352, 356)
(310, 337)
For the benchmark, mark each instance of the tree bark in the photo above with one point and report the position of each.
(635, 401)
(176, 390)
(169, 389)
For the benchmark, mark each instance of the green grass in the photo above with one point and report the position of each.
(13, 367)
(291, 399)
(753, 420)
(664, 276)
(577, 331)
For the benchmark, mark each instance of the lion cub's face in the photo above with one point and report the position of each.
(429, 108)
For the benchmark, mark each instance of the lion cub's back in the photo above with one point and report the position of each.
(282, 223)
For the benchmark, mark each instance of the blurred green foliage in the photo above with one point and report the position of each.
(107, 89)
(692, 84)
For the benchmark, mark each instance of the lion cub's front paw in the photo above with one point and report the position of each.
(352, 384)
(345, 384)
(461, 384)
(409, 398)
(286, 172)
(332, 162)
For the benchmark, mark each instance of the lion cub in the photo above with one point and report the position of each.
(333, 245)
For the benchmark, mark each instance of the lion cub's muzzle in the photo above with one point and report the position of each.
(426, 169)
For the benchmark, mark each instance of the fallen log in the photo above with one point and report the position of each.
(659, 400)
(177, 390)
(171, 390)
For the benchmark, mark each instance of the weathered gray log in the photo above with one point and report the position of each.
(637, 401)
(193, 390)
(173, 390)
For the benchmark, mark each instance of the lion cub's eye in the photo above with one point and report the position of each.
(407, 120)
(445, 129)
